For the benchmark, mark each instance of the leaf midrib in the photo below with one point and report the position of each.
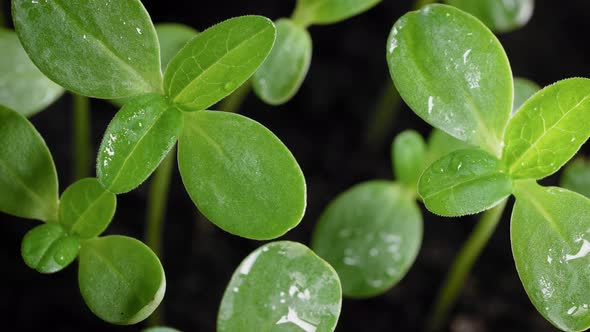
(73, 228)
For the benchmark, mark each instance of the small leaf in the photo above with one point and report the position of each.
(549, 235)
(576, 177)
(309, 12)
(464, 182)
(218, 61)
(499, 16)
(121, 279)
(105, 49)
(172, 37)
(24, 88)
(548, 130)
(28, 180)
(282, 286)
(48, 249)
(371, 235)
(86, 208)
(452, 71)
(523, 90)
(408, 154)
(240, 175)
(138, 138)
(441, 144)
(283, 72)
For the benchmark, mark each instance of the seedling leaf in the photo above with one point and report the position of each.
(48, 249)
(441, 144)
(172, 37)
(499, 16)
(523, 90)
(408, 157)
(576, 177)
(309, 12)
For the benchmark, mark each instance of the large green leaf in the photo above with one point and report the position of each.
(549, 129)
(550, 244)
(100, 48)
(452, 71)
(464, 182)
(309, 12)
(86, 208)
(218, 61)
(172, 37)
(121, 279)
(576, 177)
(28, 180)
(523, 90)
(22, 86)
(282, 286)
(283, 72)
(498, 15)
(49, 249)
(440, 144)
(408, 157)
(240, 175)
(371, 235)
(138, 138)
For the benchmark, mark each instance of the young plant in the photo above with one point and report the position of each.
(120, 278)
(576, 176)
(499, 16)
(452, 71)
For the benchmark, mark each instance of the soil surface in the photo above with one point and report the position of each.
(324, 126)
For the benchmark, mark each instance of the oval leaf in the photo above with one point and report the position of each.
(500, 16)
(282, 286)
(28, 180)
(48, 249)
(240, 175)
(371, 235)
(104, 49)
(550, 244)
(452, 71)
(283, 72)
(309, 12)
(441, 144)
(138, 138)
(548, 130)
(576, 177)
(218, 61)
(23, 87)
(523, 90)
(408, 154)
(86, 208)
(464, 182)
(172, 37)
(121, 279)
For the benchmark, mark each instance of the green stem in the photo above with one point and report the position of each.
(462, 265)
(156, 210)
(383, 121)
(233, 102)
(81, 137)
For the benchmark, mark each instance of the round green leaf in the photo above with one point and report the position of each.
(282, 286)
(371, 235)
(86, 208)
(218, 61)
(28, 180)
(121, 279)
(452, 71)
(309, 12)
(464, 182)
(283, 72)
(498, 15)
(172, 37)
(22, 86)
(576, 177)
(548, 130)
(102, 48)
(408, 154)
(240, 175)
(48, 249)
(523, 90)
(441, 144)
(550, 244)
(138, 138)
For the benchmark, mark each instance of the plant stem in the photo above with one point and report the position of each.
(233, 102)
(462, 265)
(81, 136)
(383, 120)
(155, 215)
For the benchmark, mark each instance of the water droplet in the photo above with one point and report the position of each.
(293, 318)
(430, 104)
(229, 86)
(138, 30)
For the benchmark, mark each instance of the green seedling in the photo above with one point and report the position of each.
(576, 177)
(452, 71)
(121, 279)
(499, 16)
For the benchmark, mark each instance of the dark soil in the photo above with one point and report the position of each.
(324, 126)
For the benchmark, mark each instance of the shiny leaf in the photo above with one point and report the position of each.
(452, 71)
(408, 157)
(464, 182)
(240, 175)
(172, 37)
(28, 180)
(218, 61)
(309, 12)
(121, 279)
(441, 144)
(102, 48)
(371, 235)
(576, 177)
(549, 129)
(523, 90)
(282, 286)
(48, 249)
(136, 141)
(498, 15)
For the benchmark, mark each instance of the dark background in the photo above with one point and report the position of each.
(324, 126)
